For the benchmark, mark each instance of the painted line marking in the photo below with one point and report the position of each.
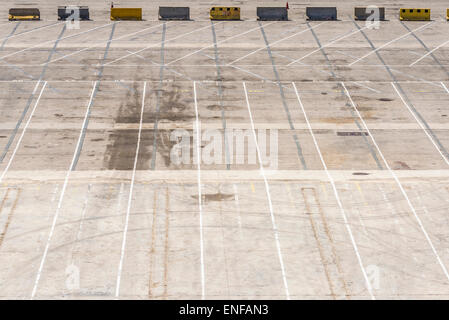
(110, 40)
(326, 45)
(156, 44)
(426, 130)
(131, 188)
(23, 133)
(50, 41)
(200, 206)
(429, 53)
(273, 43)
(334, 188)
(389, 42)
(32, 30)
(267, 190)
(61, 198)
(211, 45)
(443, 267)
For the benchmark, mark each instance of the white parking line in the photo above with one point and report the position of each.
(421, 125)
(444, 86)
(23, 132)
(429, 53)
(355, 207)
(130, 196)
(340, 205)
(32, 30)
(106, 41)
(218, 42)
(50, 41)
(413, 77)
(366, 87)
(267, 190)
(200, 206)
(158, 44)
(274, 43)
(61, 198)
(326, 45)
(443, 267)
(390, 42)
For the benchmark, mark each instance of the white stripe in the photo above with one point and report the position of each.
(87, 48)
(388, 43)
(444, 86)
(200, 206)
(421, 124)
(128, 209)
(430, 52)
(24, 130)
(443, 267)
(61, 197)
(35, 29)
(267, 190)
(211, 45)
(363, 86)
(158, 44)
(340, 205)
(50, 41)
(272, 44)
(326, 45)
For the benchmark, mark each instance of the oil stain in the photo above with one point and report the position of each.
(214, 197)
(121, 148)
(400, 165)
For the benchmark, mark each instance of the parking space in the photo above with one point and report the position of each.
(351, 127)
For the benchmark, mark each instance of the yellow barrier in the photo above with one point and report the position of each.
(126, 13)
(14, 18)
(447, 14)
(225, 13)
(414, 14)
(24, 14)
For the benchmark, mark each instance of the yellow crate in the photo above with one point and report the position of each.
(415, 14)
(225, 13)
(24, 14)
(13, 18)
(126, 13)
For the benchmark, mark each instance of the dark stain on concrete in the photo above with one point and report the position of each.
(210, 197)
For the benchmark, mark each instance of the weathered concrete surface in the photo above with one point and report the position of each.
(364, 95)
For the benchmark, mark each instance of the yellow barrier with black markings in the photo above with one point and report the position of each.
(225, 13)
(126, 13)
(24, 14)
(413, 14)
